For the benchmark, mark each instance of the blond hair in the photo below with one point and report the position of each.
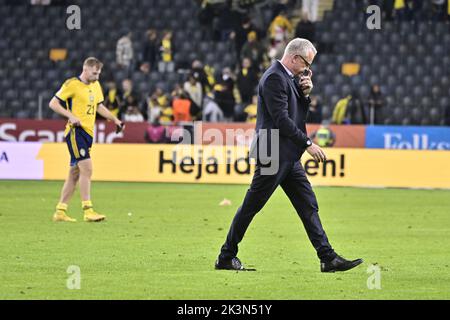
(93, 62)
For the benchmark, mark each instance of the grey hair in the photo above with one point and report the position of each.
(299, 46)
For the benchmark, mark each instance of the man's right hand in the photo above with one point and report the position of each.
(317, 153)
(74, 121)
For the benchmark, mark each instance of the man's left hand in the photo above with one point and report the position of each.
(306, 85)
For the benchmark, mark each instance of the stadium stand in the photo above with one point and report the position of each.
(408, 59)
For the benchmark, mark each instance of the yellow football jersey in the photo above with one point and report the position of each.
(82, 100)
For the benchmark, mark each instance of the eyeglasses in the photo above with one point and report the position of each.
(308, 65)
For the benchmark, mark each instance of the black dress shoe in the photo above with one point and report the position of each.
(339, 264)
(233, 264)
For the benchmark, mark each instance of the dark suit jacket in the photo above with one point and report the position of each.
(281, 105)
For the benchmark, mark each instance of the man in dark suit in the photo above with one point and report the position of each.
(281, 139)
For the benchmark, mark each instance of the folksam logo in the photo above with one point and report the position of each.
(414, 138)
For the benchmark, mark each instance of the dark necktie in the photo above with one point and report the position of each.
(296, 80)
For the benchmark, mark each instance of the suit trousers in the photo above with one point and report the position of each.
(292, 178)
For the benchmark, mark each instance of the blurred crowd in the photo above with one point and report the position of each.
(230, 94)
(207, 94)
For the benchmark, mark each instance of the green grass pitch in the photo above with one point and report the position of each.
(166, 248)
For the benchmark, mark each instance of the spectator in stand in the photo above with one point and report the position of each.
(311, 7)
(124, 52)
(305, 28)
(112, 99)
(375, 105)
(151, 51)
(414, 8)
(279, 6)
(132, 114)
(166, 115)
(448, 10)
(152, 108)
(199, 73)
(240, 34)
(223, 92)
(253, 50)
(127, 91)
(160, 97)
(205, 18)
(279, 29)
(355, 110)
(181, 108)
(251, 110)
(315, 111)
(275, 53)
(160, 101)
(439, 9)
(177, 91)
(388, 9)
(157, 105)
(247, 81)
(211, 110)
(194, 91)
(400, 9)
(226, 21)
(155, 132)
(210, 75)
(340, 111)
(166, 50)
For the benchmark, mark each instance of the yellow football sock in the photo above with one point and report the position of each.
(61, 206)
(86, 204)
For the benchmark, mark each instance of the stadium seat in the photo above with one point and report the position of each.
(401, 71)
(155, 77)
(356, 81)
(32, 105)
(418, 92)
(364, 91)
(426, 103)
(416, 116)
(425, 121)
(410, 81)
(29, 95)
(438, 50)
(329, 90)
(397, 115)
(436, 92)
(345, 90)
(435, 116)
(407, 102)
(374, 79)
(426, 81)
(3, 73)
(444, 102)
(338, 80)
(22, 84)
(400, 92)
(40, 85)
(143, 87)
(10, 94)
(405, 121)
